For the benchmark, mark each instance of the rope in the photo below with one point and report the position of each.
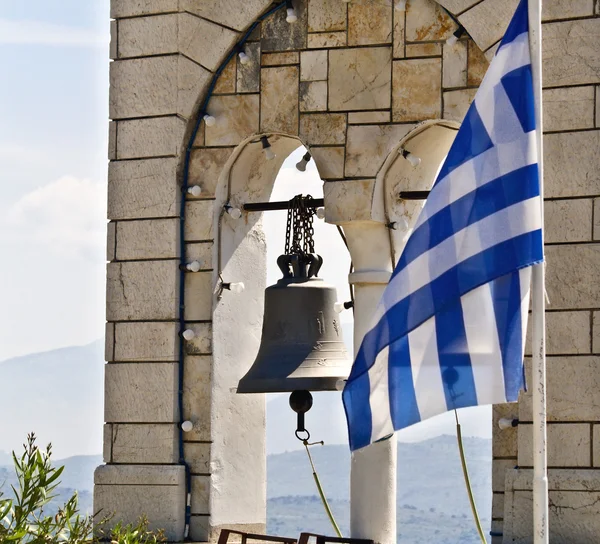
(468, 481)
(320, 488)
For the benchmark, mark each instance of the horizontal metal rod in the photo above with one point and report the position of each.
(414, 195)
(318, 202)
(284, 205)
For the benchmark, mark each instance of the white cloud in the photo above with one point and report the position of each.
(42, 33)
(68, 214)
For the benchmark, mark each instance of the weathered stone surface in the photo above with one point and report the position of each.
(456, 104)
(359, 79)
(455, 65)
(370, 22)
(147, 443)
(203, 41)
(596, 332)
(199, 220)
(427, 21)
(206, 166)
(148, 239)
(568, 220)
(575, 435)
(141, 393)
(163, 505)
(572, 164)
(499, 468)
(197, 455)
(109, 342)
(130, 8)
(457, 6)
(596, 219)
(323, 128)
(329, 161)
(197, 397)
(571, 52)
(144, 188)
(229, 13)
(573, 517)
(327, 39)
(236, 116)
(571, 278)
(200, 528)
(313, 95)
(200, 252)
(417, 90)
(279, 99)
(572, 390)
(278, 59)
(226, 82)
(198, 296)
(566, 9)
(107, 443)
(200, 494)
(368, 117)
(504, 443)
(278, 35)
(399, 37)
(486, 22)
(155, 137)
(369, 145)
(145, 36)
(155, 86)
(423, 50)
(497, 506)
(139, 475)
(477, 64)
(566, 333)
(326, 15)
(112, 48)
(111, 239)
(313, 65)
(248, 75)
(596, 445)
(142, 290)
(142, 87)
(153, 341)
(349, 200)
(201, 344)
(568, 109)
(192, 81)
(112, 140)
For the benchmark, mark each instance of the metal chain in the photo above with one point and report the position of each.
(299, 234)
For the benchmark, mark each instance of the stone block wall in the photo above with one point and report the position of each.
(571, 74)
(349, 81)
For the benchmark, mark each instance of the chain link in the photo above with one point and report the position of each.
(299, 233)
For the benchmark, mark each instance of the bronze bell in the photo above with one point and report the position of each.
(301, 346)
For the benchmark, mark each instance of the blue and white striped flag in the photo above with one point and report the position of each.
(450, 329)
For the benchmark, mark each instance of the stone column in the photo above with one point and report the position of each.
(373, 469)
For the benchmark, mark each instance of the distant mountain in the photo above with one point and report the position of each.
(56, 394)
(432, 500)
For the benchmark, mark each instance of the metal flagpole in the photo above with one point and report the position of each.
(538, 382)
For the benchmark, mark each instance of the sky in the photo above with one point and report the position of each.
(53, 169)
(53, 142)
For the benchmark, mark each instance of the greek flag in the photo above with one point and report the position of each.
(450, 329)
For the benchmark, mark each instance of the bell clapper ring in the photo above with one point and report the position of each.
(301, 402)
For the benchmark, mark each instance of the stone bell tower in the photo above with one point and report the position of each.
(356, 83)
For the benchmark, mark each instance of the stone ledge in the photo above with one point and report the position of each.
(139, 475)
